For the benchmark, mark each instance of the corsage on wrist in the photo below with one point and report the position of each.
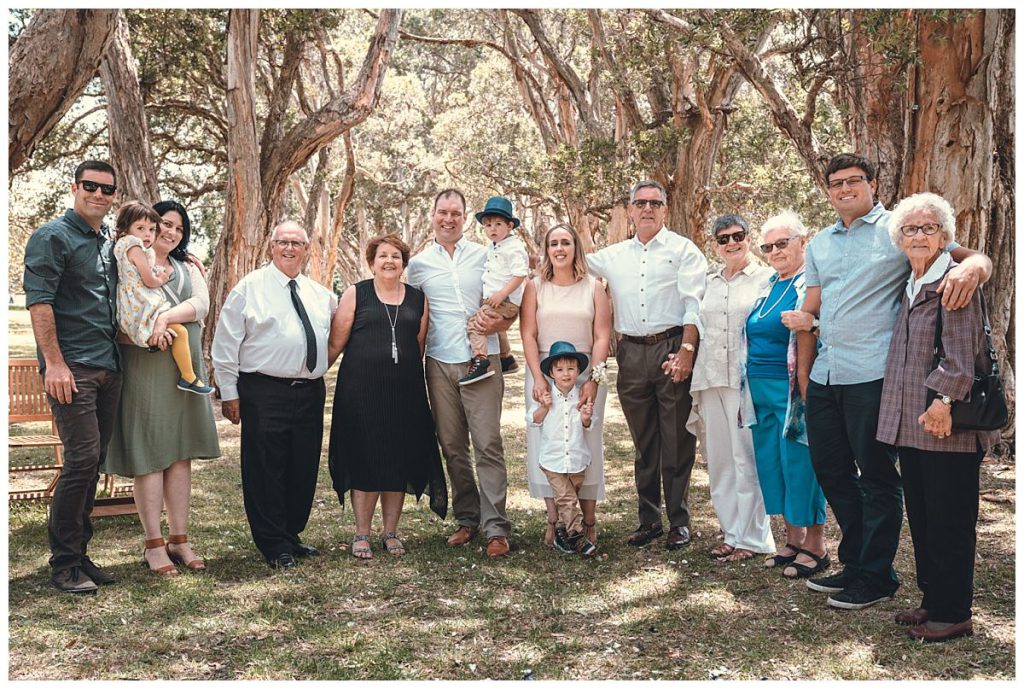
(599, 373)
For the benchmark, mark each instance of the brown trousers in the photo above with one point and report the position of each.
(566, 488)
(462, 413)
(656, 410)
(478, 342)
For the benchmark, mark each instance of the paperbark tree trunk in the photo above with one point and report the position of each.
(130, 152)
(51, 63)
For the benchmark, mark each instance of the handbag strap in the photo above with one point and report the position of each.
(986, 326)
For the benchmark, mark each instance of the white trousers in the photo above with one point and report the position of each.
(732, 472)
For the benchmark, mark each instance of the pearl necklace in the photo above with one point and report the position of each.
(761, 313)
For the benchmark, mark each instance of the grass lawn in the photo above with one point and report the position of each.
(440, 613)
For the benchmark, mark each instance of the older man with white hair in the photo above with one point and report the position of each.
(270, 356)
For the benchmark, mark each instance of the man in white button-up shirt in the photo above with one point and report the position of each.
(656, 280)
(269, 364)
(450, 272)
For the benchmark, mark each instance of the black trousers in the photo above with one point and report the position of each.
(84, 426)
(858, 476)
(941, 491)
(282, 433)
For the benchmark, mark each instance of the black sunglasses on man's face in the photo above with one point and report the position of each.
(91, 187)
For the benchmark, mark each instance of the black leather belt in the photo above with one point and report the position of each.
(282, 381)
(654, 339)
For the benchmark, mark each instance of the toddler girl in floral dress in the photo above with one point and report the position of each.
(140, 299)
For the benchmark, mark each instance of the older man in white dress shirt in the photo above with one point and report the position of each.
(270, 356)
(656, 280)
(450, 272)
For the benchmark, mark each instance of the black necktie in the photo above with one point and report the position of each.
(306, 326)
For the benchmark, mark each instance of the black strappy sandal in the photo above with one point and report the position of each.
(777, 560)
(803, 571)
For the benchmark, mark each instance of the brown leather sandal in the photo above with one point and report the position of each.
(166, 570)
(196, 565)
(590, 531)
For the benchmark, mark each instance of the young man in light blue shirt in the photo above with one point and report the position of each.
(854, 278)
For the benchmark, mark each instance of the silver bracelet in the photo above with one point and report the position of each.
(599, 373)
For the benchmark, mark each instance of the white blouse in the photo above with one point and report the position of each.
(723, 313)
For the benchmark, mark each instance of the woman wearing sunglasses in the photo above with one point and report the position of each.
(728, 448)
(772, 406)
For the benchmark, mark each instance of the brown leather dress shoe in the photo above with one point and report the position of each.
(644, 534)
(678, 536)
(912, 617)
(924, 633)
(462, 536)
(497, 546)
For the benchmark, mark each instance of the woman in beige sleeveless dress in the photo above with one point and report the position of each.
(564, 303)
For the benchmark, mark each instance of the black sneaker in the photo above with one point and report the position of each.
(859, 595)
(509, 364)
(830, 584)
(92, 570)
(478, 370)
(583, 545)
(563, 541)
(73, 580)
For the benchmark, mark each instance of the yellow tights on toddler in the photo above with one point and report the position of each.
(182, 354)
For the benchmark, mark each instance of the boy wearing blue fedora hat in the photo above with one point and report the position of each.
(504, 274)
(564, 453)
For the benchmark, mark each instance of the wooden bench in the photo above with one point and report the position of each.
(27, 403)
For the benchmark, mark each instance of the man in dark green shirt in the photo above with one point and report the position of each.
(70, 291)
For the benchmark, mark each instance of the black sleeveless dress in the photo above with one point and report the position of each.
(382, 433)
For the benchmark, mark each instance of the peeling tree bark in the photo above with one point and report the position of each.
(50, 65)
(130, 152)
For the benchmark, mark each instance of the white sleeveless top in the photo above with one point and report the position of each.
(565, 313)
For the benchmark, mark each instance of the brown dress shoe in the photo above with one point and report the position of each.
(462, 536)
(924, 633)
(678, 536)
(912, 617)
(644, 534)
(497, 546)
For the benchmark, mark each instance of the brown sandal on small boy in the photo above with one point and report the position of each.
(196, 565)
(166, 570)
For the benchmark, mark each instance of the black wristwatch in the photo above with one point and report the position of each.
(815, 326)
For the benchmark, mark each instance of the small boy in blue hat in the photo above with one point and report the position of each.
(564, 453)
(504, 274)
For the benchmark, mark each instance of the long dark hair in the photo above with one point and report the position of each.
(179, 252)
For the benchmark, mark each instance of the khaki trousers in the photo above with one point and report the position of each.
(566, 488)
(656, 410)
(465, 413)
(478, 342)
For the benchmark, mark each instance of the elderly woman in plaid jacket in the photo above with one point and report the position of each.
(939, 465)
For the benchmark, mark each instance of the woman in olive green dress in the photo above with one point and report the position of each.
(159, 428)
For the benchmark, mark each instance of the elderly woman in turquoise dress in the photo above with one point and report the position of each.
(159, 429)
(773, 407)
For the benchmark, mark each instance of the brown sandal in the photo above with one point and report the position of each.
(166, 570)
(196, 565)
(590, 531)
(549, 535)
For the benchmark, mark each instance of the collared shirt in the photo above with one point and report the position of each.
(723, 313)
(454, 288)
(935, 271)
(563, 445)
(260, 331)
(71, 267)
(506, 259)
(654, 286)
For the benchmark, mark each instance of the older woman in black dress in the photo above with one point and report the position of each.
(383, 443)
(939, 464)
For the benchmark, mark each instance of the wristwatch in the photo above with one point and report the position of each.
(945, 399)
(815, 323)
(688, 347)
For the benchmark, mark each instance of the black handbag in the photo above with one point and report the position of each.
(985, 407)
